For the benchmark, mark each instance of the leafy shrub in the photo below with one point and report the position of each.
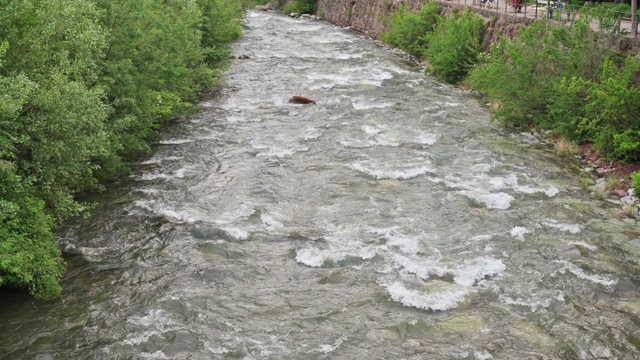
(301, 7)
(410, 30)
(455, 44)
(635, 182)
(85, 85)
(220, 26)
(29, 256)
(60, 126)
(603, 112)
(523, 74)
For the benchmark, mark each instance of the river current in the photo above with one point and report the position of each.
(392, 220)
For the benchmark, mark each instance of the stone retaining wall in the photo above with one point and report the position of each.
(367, 16)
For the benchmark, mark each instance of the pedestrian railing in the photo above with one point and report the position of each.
(603, 19)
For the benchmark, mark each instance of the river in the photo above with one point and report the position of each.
(392, 220)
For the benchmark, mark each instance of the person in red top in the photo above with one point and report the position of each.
(517, 7)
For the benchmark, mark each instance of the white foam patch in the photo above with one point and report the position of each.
(481, 187)
(174, 216)
(477, 269)
(236, 233)
(360, 104)
(441, 300)
(570, 228)
(398, 172)
(427, 139)
(149, 177)
(270, 223)
(175, 141)
(180, 173)
(420, 268)
(328, 349)
(371, 130)
(179, 217)
(315, 257)
(151, 161)
(243, 212)
(481, 168)
(482, 355)
(358, 143)
(387, 140)
(408, 245)
(155, 355)
(518, 232)
(279, 152)
(311, 134)
(577, 271)
(158, 320)
(584, 245)
(534, 305)
(500, 200)
(550, 191)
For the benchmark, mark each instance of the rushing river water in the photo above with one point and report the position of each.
(389, 221)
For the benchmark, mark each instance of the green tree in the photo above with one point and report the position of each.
(455, 44)
(56, 45)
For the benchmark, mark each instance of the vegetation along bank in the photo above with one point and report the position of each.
(84, 87)
(571, 81)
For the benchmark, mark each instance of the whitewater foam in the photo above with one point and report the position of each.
(314, 257)
(577, 271)
(584, 245)
(175, 141)
(571, 228)
(500, 201)
(445, 299)
(402, 172)
(477, 269)
(534, 305)
(518, 232)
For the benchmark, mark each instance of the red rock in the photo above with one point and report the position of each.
(301, 100)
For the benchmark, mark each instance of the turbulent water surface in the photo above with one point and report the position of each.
(389, 221)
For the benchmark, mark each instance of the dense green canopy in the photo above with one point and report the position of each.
(84, 85)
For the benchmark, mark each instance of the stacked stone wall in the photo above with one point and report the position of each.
(367, 16)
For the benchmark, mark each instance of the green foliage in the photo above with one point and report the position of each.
(59, 127)
(523, 74)
(455, 44)
(83, 85)
(635, 182)
(29, 256)
(603, 112)
(565, 80)
(410, 30)
(607, 16)
(220, 26)
(153, 66)
(301, 7)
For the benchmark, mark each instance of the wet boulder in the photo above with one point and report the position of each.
(301, 100)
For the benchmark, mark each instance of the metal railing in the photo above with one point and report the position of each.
(602, 19)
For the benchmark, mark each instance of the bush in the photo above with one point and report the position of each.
(455, 44)
(301, 7)
(85, 85)
(635, 182)
(603, 112)
(29, 255)
(410, 30)
(60, 126)
(523, 74)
